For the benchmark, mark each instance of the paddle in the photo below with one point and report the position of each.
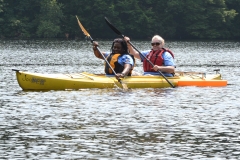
(119, 33)
(88, 35)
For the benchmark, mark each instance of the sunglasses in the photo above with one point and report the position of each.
(157, 44)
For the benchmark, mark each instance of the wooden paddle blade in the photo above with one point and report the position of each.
(88, 35)
(113, 28)
(82, 28)
(124, 86)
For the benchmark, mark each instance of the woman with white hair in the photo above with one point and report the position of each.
(161, 57)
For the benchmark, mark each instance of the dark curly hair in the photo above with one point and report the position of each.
(123, 44)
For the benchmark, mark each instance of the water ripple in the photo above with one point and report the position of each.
(179, 123)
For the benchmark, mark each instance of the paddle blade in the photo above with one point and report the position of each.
(82, 28)
(113, 28)
(125, 87)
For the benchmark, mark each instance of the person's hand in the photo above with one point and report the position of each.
(127, 39)
(119, 76)
(155, 67)
(95, 44)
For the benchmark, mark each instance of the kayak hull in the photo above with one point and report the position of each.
(38, 81)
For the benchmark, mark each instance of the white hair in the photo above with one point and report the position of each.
(158, 38)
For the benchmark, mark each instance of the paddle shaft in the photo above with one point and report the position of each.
(150, 63)
(104, 57)
(91, 39)
(119, 80)
(119, 33)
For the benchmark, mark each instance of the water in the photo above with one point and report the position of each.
(179, 123)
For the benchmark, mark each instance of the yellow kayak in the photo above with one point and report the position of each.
(38, 81)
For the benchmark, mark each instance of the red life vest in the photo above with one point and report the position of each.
(156, 58)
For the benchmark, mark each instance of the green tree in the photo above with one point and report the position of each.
(1, 6)
(233, 25)
(49, 19)
(18, 18)
(136, 18)
(176, 19)
(206, 19)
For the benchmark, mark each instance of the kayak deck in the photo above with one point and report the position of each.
(39, 81)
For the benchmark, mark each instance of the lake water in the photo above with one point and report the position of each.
(172, 123)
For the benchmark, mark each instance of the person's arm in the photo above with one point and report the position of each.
(169, 66)
(96, 52)
(126, 70)
(132, 51)
(127, 62)
(166, 69)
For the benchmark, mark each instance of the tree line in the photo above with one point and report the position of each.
(172, 19)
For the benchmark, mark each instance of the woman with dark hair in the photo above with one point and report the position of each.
(119, 58)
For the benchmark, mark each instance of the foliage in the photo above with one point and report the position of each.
(175, 19)
(1, 6)
(50, 17)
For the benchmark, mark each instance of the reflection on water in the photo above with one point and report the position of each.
(171, 123)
